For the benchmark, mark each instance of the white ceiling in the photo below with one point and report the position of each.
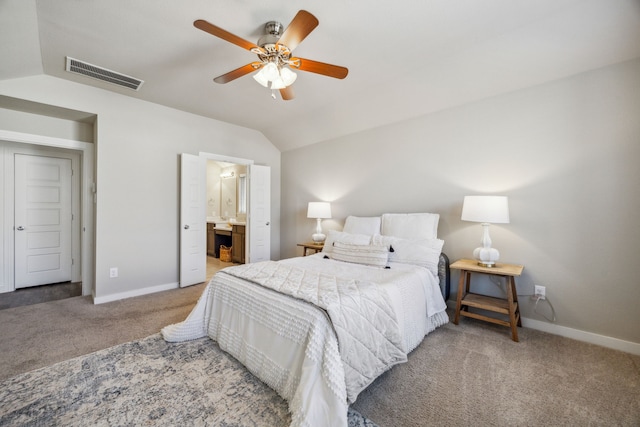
(405, 59)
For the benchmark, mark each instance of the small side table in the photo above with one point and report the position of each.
(312, 246)
(466, 299)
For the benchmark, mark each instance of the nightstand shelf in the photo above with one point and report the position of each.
(467, 299)
(311, 246)
(484, 302)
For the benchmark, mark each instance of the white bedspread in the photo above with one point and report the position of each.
(291, 344)
(365, 324)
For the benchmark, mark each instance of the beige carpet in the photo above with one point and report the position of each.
(39, 335)
(471, 374)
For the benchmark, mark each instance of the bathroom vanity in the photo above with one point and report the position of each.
(221, 233)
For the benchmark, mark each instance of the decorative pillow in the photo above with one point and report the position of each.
(411, 226)
(425, 253)
(373, 255)
(378, 239)
(362, 225)
(340, 236)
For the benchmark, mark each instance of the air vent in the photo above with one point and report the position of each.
(90, 70)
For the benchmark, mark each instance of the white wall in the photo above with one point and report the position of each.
(20, 121)
(137, 174)
(566, 153)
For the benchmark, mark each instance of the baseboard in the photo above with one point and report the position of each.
(135, 293)
(576, 334)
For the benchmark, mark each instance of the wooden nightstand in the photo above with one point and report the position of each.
(467, 299)
(315, 247)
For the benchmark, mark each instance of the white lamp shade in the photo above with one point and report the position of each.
(270, 71)
(259, 77)
(288, 76)
(489, 209)
(277, 83)
(319, 210)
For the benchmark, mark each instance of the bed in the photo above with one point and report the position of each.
(319, 329)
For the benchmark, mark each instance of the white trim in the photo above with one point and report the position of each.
(576, 334)
(50, 141)
(228, 159)
(135, 293)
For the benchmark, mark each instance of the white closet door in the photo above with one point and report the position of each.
(43, 220)
(193, 220)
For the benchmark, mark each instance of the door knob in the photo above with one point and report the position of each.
(20, 228)
(186, 226)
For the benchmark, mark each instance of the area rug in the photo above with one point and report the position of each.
(148, 382)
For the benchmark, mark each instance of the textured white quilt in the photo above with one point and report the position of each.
(292, 345)
(365, 324)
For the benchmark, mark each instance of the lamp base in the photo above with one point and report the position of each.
(486, 264)
(486, 257)
(318, 237)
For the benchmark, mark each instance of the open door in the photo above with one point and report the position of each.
(193, 220)
(259, 216)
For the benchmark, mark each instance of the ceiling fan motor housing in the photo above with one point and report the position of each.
(273, 31)
(271, 50)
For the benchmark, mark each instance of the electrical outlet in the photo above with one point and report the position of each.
(113, 272)
(540, 292)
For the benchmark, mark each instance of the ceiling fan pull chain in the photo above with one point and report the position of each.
(273, 93)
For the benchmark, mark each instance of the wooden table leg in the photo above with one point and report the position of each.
(514, 314)
(463, 274)
(515, 299)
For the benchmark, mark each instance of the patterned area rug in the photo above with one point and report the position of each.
(148, 382)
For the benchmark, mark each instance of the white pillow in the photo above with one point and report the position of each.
(373, 255)
(425, 252)
(411, 226)
(340, 236)
(378, 239)
(362, 225)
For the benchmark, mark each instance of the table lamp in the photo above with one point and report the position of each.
(319, 211)
(486, 210)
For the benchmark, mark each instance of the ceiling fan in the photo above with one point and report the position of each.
(274, 50)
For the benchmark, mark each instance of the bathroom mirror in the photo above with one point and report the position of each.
(228, 207)
(226, 190)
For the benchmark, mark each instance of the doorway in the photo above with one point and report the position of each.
(194, 212)
(80, 154)
(226, 208)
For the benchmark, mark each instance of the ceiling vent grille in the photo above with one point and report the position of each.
(93, 71)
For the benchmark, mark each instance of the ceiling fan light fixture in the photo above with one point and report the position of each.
(270, 71)
(259, 77)
(288, 76)
(278, 83)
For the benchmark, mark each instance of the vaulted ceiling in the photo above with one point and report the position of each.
(405, 58)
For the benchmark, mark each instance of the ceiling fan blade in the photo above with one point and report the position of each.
(287, 93)
(224, 35)
(238, 72)
(330, 70)
(299, 28)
